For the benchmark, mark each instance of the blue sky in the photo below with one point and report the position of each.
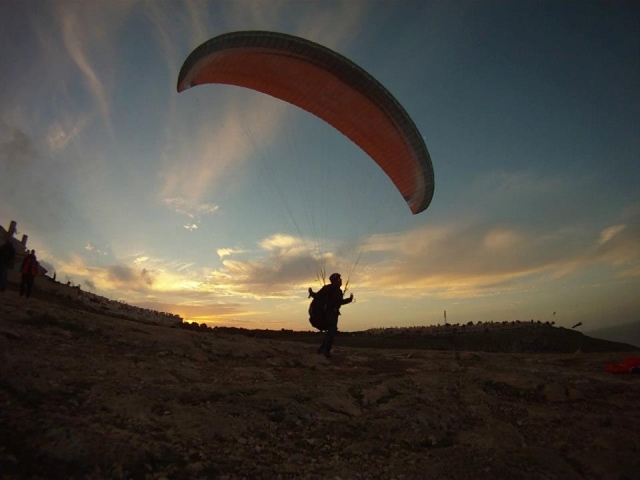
(211, 203)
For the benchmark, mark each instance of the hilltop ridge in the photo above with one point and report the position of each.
(521, 337)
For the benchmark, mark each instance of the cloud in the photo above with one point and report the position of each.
(176, 31)
(147, 276)
(328, 23)
(268, 277)
(452, 261)
(117, 277)
(17, 150)
(619, 245)
(220, 142)
(33, 185)
(282, 264)
(225, 252)
(48, 266)
(333, 28)
(59, 136)
(89, 33)
(89, 247)
(121, 274)
(257, 14)
(185, 266)
(197, 13)
(194, 211)
(285, 245)
(630, 272)
(201, 308)
(456, 260)
(137, 277)
(609, 233)
(191, 209)
(76, 42)
(482, 259)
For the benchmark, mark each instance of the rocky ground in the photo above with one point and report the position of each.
(89, 396)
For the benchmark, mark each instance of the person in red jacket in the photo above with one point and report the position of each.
(29, 271)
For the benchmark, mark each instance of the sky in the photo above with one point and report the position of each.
(218, 202)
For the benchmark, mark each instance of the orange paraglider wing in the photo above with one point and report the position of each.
(329, 86)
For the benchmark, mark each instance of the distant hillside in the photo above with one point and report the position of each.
(627, 333)
(529, 339)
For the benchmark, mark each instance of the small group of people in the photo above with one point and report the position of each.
(28, 269)
(334, 300)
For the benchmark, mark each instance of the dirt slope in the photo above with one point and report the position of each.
(89, 396)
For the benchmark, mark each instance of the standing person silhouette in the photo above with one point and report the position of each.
(7, 256)
(334, 300)
(29, 271)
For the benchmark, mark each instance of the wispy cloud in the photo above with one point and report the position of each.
(217, 313)
(120, 280)
(621, 246)
(185, 266)
(254, 14)
(456, 260)
(198, 14)
(195, 212)
(17, 150)
(59, 135)
(480, 259)
(633, 271)
(220, 144)
(30, 183)
(173, 28)
(451, 262)
(610, 232)
(185, 207)
(89, 33)
(286, 245)
(281, 265)
(326, 22)
(270, 277)
(332, 29)
(225, 252)
(76, 42)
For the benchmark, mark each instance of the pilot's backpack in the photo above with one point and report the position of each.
(318, 310)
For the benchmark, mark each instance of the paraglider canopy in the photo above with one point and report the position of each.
(327, 85)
